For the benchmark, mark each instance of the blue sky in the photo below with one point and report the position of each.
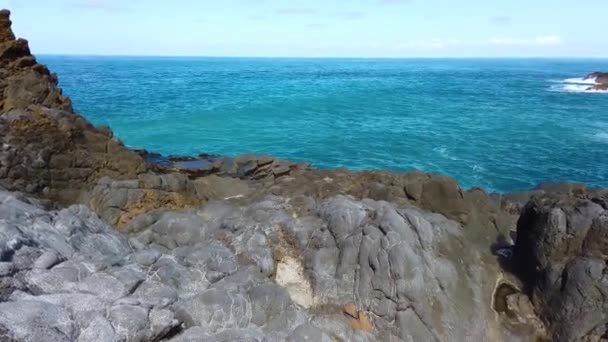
(315, 28)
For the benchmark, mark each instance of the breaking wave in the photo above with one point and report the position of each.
(576, 85)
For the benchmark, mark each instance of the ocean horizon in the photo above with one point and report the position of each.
(85, 55)
(505, 124)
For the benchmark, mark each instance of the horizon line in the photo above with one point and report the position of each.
(312, 57)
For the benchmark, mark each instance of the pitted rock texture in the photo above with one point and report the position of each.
(119, 202)
(45, 148)
(562, 254)
(211, 275)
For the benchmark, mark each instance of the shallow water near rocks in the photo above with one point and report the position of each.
(505, 125)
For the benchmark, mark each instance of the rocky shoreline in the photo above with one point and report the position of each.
(102, 243)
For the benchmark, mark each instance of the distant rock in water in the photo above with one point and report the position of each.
(601, 80)
(599, 77)
(599, 87)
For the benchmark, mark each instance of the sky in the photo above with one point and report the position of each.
(314, 28)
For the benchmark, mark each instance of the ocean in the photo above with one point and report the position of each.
(502, 124)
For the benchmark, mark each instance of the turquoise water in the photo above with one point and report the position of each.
(505, 125)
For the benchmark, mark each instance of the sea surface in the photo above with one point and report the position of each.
(503, 124)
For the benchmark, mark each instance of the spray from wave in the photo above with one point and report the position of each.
(576, 85)
(578, 80)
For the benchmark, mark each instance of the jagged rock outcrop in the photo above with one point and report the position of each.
(599, 77)
(601, 80)
(562, 256)
(45, 148)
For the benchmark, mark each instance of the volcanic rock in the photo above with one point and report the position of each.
(599, 77)
(561, 254)
(142, 247)
(45, 148)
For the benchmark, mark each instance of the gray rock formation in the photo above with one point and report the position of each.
(561, 252)
(259, 273)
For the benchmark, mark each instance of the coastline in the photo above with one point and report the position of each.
(98, 241)
(196, 108)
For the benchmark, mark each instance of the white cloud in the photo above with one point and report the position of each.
(538, 40)
(434, 43)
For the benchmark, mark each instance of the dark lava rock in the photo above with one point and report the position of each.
(561, 253)
(45, 148)
(600, 87)
(600, 77)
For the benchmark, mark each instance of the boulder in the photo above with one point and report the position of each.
(29, 320)
(561, 253)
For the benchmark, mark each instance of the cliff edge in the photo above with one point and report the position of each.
(45, 148)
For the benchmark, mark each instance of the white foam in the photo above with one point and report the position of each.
(597, 91)
(576, 85)
(575, 88)
(478, 168)
(580, 81)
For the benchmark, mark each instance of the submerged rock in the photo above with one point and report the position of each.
(248, 166)
(600, 87)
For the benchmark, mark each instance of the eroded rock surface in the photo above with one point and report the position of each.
(259, 272)
(562, 254)
(45, 148)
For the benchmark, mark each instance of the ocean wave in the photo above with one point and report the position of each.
(578, 80)
(576, 85)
